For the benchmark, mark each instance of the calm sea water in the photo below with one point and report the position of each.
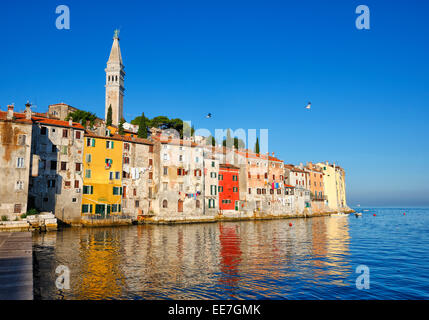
(314, 259)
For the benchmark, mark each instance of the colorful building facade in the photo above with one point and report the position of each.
(102, 180)
(229, 187)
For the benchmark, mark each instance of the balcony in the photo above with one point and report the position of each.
(318, 198)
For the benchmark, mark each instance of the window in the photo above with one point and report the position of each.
(108, 163)
(180, 158)
(234, 189)
(212, 203)
(197, 159)
(165, 157)
(165, 186)
(21, 139)
(76, 184)
(151, 149)
(150, 175)
(51, 183)
(20, 162)
(126, 146)
(136, 203)
(213, 174)
(109, 144)
(271, 191)
(150, 162)
(111, 175)
(250, 190)
(234, 178)
(165, 171)
(220, 189)
(274, 177)
(279, 191)
(87, 208)
(67, 184)
(88, 173)
(266, 175)
(78, 134)
(213, 164)
(88, 189)
(117, 175)
(63, 166)
(63, 150)
(249, 175)
(53, 165)
(258, 191)
(220, 176)
(165, 204)
(90, 142)
(17, 208)
(65, 133)
(88, 158)
(74, 200)
(117, 191)
(19, 185)
(43, 131)
(126, 160)
(264, 191)
(197, 204)
(213, 190)
(78, 167)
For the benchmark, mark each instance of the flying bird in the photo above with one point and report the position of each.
(209, 115)
(308, 107)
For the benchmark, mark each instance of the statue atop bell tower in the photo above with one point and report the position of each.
(115, 82)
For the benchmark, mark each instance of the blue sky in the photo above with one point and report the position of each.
(253, 64)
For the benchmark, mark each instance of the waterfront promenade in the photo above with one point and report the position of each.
(16, 266)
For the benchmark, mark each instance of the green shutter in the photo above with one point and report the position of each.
(93, 142)
(112, 144)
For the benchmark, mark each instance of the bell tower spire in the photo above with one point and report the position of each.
(115, 82)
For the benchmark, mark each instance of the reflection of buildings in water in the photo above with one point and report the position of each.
(170, 259)
(230, 254)
(100, 275)
(337, 247)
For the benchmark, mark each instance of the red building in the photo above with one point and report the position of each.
(228, 187)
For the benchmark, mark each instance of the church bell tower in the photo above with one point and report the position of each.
(115, 82)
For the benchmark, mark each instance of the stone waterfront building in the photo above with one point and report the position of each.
(57, 166)
(15, 155)
(138, 179)
(180, 181)
(334, 185)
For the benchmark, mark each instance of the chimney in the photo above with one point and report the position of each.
(10, 112)
(28, 111)
(71, 122)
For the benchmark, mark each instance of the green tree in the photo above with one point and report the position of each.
(257, 146)
(142, 132)
(109, 116)
(82, 117)
(238, 143)
(121, 127)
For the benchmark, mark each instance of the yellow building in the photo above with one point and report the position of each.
(102, 180)
(334, 185)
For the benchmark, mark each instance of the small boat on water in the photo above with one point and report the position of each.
(340, 214)
(358, 214)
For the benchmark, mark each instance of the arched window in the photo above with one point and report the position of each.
(197, 204)
(165, 204)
